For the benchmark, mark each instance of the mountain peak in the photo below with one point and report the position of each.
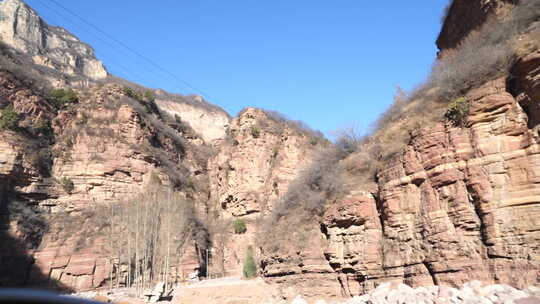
(24, 30)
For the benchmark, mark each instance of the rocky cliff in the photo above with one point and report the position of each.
(206, 119)
(461, 200)
(458, 203)
(68, 163)
(48, 46)
(262, 154)
(464, 16)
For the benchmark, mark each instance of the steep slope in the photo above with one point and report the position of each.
(48, 46)
(458, 200)
(96, 152)
(76, 150)
(463, 17)
(254, 167)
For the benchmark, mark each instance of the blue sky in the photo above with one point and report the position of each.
(328, 63)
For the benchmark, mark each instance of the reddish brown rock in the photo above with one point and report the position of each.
(464, 16)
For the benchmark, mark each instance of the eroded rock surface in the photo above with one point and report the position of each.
(209, 121)
(256, 166)
(464, 16)
(459, 203)
(49, 46)
(253, 169)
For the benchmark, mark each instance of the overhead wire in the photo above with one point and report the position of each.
(112, 62)
(131, 50)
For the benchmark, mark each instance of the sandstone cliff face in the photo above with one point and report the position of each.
(459, 203)
(257, 165)
(464, 16)
(209, 121)
(108, 150)
(103, 149)
(53, 47)
(253, 169)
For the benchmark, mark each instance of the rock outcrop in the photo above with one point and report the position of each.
(254, 167)
(459, 203)
(49, 46)
(106, 149)
(464, 16)
(257, 164)
(209, 121)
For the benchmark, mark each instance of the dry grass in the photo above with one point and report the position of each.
(484, 55)
(304, 201)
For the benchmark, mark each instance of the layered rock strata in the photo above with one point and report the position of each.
(252, 170)
(459, 203)
(49, 46)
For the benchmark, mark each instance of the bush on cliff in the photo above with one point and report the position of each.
(61, 97)
(303, 202)
(255, 132)
(457, 111)
(239, 226)
(10, 119)
(67, 184)
(484, 55)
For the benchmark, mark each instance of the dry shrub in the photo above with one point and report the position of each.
(304, 201)
(30, 222)
(485, 54)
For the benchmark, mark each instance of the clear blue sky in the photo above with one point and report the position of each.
(327, 63)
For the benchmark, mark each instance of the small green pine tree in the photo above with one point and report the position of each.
(250, 268)
(239, 226)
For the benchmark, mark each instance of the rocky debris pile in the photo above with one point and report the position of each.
(157, 293)
(472, 292)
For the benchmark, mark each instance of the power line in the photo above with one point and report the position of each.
(115, 63)
(148, 60)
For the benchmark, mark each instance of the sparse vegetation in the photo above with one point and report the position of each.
(149, 96)
(239, 226)
(41, 158)
(29, 221)
(63, 97)
(304, 201)
(250, 268)
(43, 128)
(147, 100)
(10, 119)
(67, 184)
(457, 111)
(484, 55)
(255, 132)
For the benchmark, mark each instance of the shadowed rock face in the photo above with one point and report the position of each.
(465, 16)
(53, 47)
